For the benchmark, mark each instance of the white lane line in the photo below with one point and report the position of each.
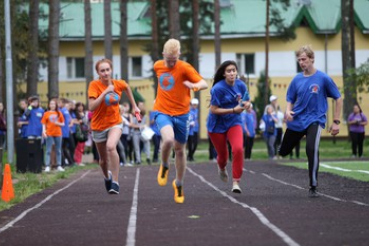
(22, 215)
(301, 188)
(288, 240)
(131, 230)
(343, 169)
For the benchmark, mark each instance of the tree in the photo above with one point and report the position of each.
(154, 52)
(108, 40)
(123, 40)
(217, 38)
(259, 102)
(174, 19)
(348, 55)
(88, 46)
(361, 76)
(53, 49)
(32, 57)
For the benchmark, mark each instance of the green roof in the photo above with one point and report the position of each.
(243, 18)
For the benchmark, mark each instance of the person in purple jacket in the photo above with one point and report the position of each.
(306, 111)
(357, 122)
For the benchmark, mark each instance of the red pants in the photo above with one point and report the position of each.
(80, 149)
(235, 137)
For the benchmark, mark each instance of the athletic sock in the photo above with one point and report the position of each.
(165, 164)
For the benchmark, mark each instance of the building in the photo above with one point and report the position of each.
(243, 32)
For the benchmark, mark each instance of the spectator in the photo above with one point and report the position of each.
(279, 125)
(193, 136)
(82, 121)
(250, 132)
(156, 138)
(52, 121)
(34, 115)
(67, 142)
(126, 137)
(22, 120)
(2, 125)
(270, 133)
(357, 122)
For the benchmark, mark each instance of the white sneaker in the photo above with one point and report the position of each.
(223, 174)
(47, 169)
(81, 164)
(236, 188)
(60, 169)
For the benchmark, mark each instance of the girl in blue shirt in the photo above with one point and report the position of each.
(270, 119)
(224, 121)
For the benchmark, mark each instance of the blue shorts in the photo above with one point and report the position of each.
(179, 123)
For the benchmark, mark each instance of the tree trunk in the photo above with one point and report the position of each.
(1, 73)
(53, 49)
(155, 41)
(267, 54)
(217, 40)
(123, 41)
(32, 59)
(174, 25)
(88, 47)
(108, 41)
(348, 56)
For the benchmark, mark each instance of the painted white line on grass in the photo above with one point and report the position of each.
(322, 194)
(343, 169)
(288, 240)
(131, 230)
(22, 215)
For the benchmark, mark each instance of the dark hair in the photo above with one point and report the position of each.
(78, 104)
(219, 74)
(361, 111)
(56, 105)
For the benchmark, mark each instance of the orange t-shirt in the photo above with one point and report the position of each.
(105, 116)
(173, 97)
(48, 119)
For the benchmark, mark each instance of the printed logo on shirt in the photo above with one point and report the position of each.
(53, 118)
(314, 88)
(166, 81)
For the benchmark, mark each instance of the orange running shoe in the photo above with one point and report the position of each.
(178, 193)
(163, 175)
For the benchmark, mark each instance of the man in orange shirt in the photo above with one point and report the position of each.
(106, 123)
(176, 78)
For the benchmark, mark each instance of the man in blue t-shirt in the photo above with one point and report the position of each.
(306, 111)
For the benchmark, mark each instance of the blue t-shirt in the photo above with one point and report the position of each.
(309, 98)
(224, 95)
(34, 122)
(73, 116)
(195, 117)
(67, 119)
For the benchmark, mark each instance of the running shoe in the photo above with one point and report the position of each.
(178, 193)
(108, 181)
(313, 192)
(163, 175)
(47, 169)
(236, 188)
(223, 174)
(114, 188)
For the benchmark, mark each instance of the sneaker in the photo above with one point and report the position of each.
(60, 169)
(163, 175)
(223, 174)
(108, 181)
(47, 169)
(81, 164)
(236, 188)
(148, 161)
(313, 192)
(114, 188)
(178, 193)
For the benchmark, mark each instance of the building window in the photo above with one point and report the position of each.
(75, 67)
(246, 63)
(136, 66)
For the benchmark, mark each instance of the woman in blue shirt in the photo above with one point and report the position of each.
(270, 119)
(224, 121)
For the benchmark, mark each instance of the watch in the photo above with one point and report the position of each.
(337, 122)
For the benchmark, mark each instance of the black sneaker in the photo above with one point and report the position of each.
(114, 189)
(313, 192)
(108, 181)
(148, 161)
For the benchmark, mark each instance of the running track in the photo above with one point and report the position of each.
(272, 210)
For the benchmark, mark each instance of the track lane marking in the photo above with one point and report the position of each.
(301, 188)
(24, 213)
(131, 230)
(287, 239)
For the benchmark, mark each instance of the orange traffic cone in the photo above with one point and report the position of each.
(7, 192)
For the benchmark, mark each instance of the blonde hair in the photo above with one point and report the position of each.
(308, 51)
(172, 47)
(103, 60)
